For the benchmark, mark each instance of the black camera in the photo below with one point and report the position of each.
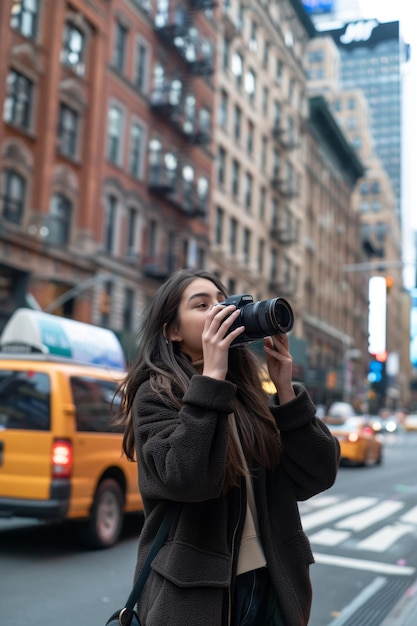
(260, 319)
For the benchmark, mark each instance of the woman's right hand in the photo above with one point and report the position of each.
(217, 340)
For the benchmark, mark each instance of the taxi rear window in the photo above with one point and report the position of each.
(95, 403)
(24, 400)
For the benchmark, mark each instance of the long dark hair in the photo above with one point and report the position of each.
(169, 371)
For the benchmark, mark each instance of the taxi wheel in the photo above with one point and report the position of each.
(106, 520)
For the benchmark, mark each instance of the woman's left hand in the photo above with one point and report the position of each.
(279, 362)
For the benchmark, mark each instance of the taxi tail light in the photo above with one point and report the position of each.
(61, 458)
(353, 437)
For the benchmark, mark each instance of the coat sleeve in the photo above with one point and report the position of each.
(181, 453)
(311, 454)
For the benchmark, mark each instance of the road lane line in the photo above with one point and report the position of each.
(361, 599)
(383, 538)
(362, 564)
(338, 510)
(368, 518)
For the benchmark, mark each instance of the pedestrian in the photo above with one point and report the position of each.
(206, 435)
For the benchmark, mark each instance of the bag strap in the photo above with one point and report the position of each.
(157, 544)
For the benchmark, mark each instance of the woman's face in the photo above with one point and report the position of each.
(197, 300)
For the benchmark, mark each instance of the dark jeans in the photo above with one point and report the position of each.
(255, 602)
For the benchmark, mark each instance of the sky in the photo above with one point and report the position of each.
(403, 10)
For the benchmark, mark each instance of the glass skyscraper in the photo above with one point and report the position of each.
(371, 57)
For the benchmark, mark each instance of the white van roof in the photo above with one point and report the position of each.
(35, 331)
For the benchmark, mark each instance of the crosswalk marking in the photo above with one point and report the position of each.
(340, 518)
(385, 537)
(370, 517)
(318, 518)
(410, 517)
(362, 564)
(329, 537)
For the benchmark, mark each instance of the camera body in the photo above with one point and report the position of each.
(260, 319)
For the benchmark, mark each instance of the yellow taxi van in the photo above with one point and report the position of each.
(60, 455)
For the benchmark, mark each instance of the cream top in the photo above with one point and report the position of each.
(251, 554)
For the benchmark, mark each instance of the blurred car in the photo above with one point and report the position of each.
(410, 422)
(320, 411)
(383, 425)
(341, 410)
(359, 443)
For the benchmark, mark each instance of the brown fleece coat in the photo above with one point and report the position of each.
(181, 457)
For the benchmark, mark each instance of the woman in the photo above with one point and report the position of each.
(205, 435)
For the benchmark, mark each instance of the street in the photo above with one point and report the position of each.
(363, 533)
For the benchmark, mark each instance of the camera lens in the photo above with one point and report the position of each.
(267, 317)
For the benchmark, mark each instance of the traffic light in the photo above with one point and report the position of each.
(389, 281)
(377, 376)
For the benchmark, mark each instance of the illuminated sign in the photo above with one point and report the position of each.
(377, 320)
(365, 33)
(358, 31)
(35, 331)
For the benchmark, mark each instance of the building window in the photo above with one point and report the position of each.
(249, 142)
(278, 70)
(14, 187)
(219, 226)
(114, 134)
(223, 109)
(237, 68)
(261, 253)
(253, 42)
(273, 264)
(233, 236)
(265, 58)
(18, 101)
(24, 17)
(276, 165)
(262, 204)
(246, 245)
(226, 54)
(128, 309)
(73, 49)
(203, 188)
(277, 115)
(120, 40)
(221, 166)
(235, 177)
(275, 214)
(264, 146)
(67, 130)
(265, 98)
(248, 191)
(250, 84)
(152, 238)
(237, 123)
(141, 67)
(59, 220)
(136, 149)
(109, 223)
(132, 218)
(240, 17)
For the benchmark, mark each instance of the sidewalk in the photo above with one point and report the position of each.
(404, 612)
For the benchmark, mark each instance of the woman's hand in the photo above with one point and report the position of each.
(217, 341)
(279, 362)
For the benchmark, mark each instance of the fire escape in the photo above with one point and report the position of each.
(173, 177)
